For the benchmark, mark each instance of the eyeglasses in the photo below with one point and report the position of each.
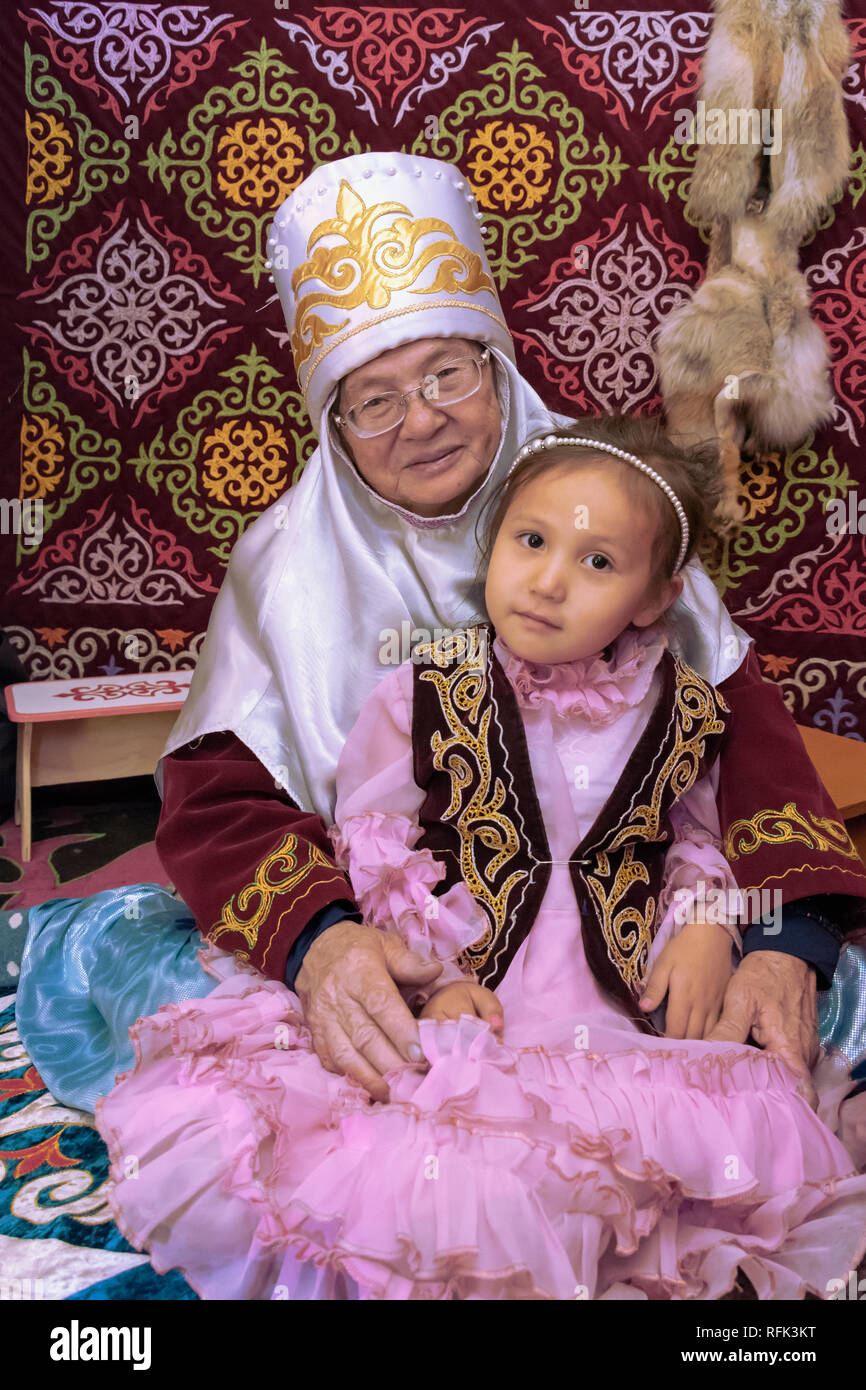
(452, 382)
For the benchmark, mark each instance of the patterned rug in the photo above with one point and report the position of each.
(148, 150)
(57, 1238)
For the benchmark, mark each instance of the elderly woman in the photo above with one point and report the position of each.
(408, 371)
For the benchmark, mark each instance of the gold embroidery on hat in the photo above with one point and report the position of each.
(394, 314)
(368, 266)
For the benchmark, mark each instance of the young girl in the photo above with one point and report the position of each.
(531, 803)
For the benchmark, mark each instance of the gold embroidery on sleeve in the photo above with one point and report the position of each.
(281, 871)
(769, 827)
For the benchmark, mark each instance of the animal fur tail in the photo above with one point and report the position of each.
(742, 363)
(786, 58)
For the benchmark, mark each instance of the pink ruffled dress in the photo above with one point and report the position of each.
(575, 1158)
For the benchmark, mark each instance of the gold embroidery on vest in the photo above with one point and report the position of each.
(465, 756)
(369, 266)
(248, 910)
(628, 932)
(770, 827)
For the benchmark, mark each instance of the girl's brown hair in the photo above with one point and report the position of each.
(693, 474)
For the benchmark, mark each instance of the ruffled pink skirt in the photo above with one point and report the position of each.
(644, 1168)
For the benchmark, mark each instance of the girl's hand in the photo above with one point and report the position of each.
(694, 971)
(455, 999)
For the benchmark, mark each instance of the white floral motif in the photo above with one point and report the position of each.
(605, 322)
(338, 68)
(816, 676)
(640, 53)
(132, 313)
(133, 44)
(837, 307)
(116, 563)
(854, 81)
(85, 645)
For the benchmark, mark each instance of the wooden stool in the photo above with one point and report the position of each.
(87, 730)
(841, 764)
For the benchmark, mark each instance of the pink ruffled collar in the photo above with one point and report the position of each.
(593, 688)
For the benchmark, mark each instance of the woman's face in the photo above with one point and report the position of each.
(432, 462)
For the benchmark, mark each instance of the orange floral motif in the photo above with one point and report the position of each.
(42, 456)
(49, 157)
(246, 461)
(776, 665)
(46, 1151)
(52, 636)
(759, 484)
(511, 168)
(261, 162)
(172, 637)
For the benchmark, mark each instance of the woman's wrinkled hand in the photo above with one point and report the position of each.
(772, 996)
(455, 999)
(359, 1023)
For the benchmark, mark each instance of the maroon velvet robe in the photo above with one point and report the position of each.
(253, 868)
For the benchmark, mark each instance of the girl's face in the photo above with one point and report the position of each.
(571, 566)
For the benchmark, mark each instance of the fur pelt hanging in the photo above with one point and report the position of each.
(741, 361)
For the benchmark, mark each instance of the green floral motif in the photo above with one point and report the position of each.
(526, 156)
(798, 483)
(857, 177)
(244, 444)
(245, 148)
(58, 452)
(670, 171)
(69, 159)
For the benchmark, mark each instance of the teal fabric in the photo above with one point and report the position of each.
(842, 1009)
(91, 967)
(141, 1283)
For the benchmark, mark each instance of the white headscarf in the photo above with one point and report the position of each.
(295, 640)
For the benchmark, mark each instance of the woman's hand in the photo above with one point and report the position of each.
(772, 996)
(359, 1022)
(455, 999)
(694, 971)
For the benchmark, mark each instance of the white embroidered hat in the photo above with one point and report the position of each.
(374, 251)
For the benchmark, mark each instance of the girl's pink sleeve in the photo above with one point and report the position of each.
(699, 884)
(375, 831)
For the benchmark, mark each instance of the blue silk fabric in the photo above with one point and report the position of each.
(92, 966)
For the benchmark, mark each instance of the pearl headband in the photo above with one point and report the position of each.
(552, 441)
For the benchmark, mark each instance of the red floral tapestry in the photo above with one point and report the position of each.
(150, 401)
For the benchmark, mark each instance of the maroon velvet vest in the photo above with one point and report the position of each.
(481, 818)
